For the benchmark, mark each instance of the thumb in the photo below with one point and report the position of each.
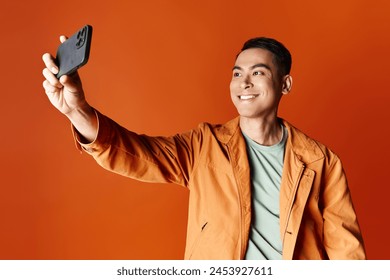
(71, 82)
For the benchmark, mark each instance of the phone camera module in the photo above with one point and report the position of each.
(81, 36)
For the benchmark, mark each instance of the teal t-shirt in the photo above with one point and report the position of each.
(266, 163)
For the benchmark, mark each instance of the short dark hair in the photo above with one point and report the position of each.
(281, 55)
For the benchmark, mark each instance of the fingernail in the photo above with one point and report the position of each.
(54, 70)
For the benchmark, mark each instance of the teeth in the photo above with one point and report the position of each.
(246, 97)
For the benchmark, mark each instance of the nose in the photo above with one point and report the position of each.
(246, 83)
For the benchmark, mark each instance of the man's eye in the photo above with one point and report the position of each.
(256, 73)
(236, 74)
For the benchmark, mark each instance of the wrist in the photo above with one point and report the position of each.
(82, 111)
(84, 119)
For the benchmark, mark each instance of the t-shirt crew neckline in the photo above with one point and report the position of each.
(260, 147)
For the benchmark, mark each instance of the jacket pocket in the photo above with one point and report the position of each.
(198, 239)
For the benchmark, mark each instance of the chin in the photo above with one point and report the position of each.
(248, 116)
(248, 113)
(255, 115)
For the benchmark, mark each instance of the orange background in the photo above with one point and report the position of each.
(161, 67)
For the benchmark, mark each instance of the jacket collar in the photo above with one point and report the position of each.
(306, 149)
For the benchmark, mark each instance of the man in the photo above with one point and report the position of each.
(259, 188)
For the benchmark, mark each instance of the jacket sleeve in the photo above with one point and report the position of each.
(142, 157)
(342, 236)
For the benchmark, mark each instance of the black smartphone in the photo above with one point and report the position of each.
(74, 52)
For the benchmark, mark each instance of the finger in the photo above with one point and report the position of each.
(71, 82)
(63, 38)
(51, 78)
(50, 63)
(49, 88)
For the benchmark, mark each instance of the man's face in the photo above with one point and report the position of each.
(256, 87)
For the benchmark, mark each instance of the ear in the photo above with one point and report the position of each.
(287, 84)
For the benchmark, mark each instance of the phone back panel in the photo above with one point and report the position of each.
(74, 52)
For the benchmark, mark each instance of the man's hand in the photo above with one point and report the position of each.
(67, 95)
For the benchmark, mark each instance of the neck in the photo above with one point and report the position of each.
(265, 131)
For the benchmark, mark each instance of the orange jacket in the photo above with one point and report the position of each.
(317, 218)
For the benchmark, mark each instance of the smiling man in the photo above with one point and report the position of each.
(259, 188)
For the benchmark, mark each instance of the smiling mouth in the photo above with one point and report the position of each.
(247, 97)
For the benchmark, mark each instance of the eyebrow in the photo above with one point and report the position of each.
(263, 65)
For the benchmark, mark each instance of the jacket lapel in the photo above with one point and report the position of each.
(297, 180)
(230, 135)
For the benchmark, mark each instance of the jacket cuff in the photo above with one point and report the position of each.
(103, 132)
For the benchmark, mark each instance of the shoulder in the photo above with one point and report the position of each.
(306, 148)
(222, 132)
